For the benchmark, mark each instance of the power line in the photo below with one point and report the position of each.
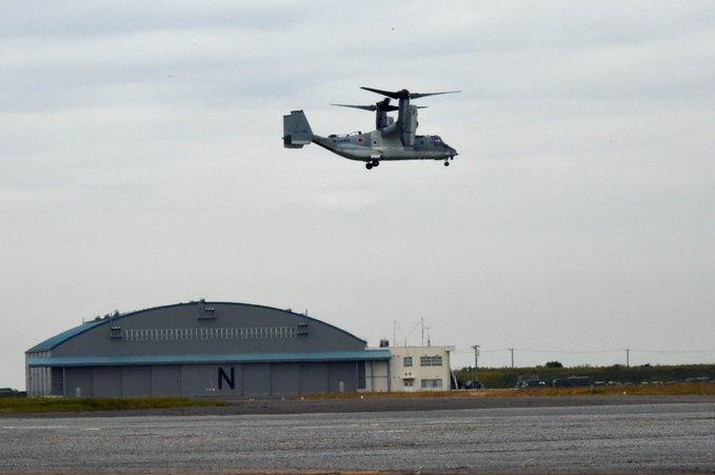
(619, 350)
(673, 351)
(629, 352)
(532, 350)
(469, 350)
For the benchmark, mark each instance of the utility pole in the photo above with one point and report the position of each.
(511, 350)
(476, 359)
(628, 357)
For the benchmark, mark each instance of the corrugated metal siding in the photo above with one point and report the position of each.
(200, 349)
(136, 381)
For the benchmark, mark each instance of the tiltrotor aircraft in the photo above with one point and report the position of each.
(391, 140)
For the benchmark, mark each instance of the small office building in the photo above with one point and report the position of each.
(414, 368)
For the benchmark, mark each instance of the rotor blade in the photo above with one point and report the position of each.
(417, 95)
(404, 93)
(394, 95)
(365, 108)
(379, 106)
(384, 105)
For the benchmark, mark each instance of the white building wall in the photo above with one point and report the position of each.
(420, 368)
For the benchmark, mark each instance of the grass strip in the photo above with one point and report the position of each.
(44, 405)
(684, 389)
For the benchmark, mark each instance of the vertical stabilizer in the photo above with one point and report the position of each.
(296, 130)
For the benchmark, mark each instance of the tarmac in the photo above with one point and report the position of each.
(435, 435)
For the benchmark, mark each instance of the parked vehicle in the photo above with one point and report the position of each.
(9, 392)
(571, 382)
(473, 385)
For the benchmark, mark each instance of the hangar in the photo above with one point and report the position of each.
(204, 349)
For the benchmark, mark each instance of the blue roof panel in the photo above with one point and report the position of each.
(56, 340)
(318, 356)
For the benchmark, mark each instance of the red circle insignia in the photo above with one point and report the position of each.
(360, 140)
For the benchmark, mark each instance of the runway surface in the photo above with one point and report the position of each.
(603, 438)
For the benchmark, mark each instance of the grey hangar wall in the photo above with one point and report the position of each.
(200, 349)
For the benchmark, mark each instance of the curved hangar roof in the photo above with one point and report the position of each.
(202, 332)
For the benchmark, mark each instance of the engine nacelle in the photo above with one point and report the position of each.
(409, 126)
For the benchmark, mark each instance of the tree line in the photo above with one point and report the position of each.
(509, 377)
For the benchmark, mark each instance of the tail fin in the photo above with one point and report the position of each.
(296, 130)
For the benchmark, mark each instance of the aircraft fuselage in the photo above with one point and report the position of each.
(376, 146)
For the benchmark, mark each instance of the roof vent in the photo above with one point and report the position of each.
(206, 311)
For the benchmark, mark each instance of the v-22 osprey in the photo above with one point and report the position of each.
(391, 140)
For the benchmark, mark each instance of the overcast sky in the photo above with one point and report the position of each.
(141, 164)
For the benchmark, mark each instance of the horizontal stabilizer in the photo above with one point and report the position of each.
(288, 144)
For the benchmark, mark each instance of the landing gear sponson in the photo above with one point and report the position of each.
(374, 163)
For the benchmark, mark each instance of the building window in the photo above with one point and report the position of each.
(431, 383)
(430, 361)
(182, 334)
(408, 383)
(407, 361)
